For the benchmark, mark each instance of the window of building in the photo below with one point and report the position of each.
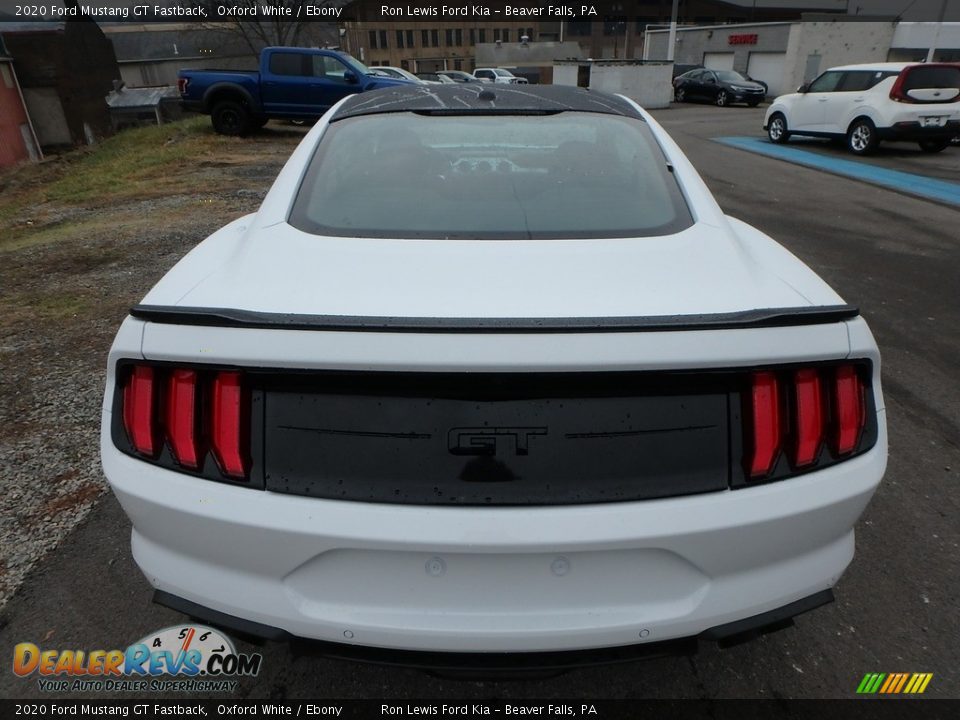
(458, 64)
(409, 38)
(449, 38)
(579, 28)
(614, 25)
(473, 37)
(458, 37)
(373, 39)
(399, 38)
(383, 40)
(496, 34)
(424, 38)
(435, 38)
(482, 35)
(506, 34)
(405, 64)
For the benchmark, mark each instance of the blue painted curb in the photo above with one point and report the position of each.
(918, 185)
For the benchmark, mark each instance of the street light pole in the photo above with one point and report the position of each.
(936, 31)
(672, 39)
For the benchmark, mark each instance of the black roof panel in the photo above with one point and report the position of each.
(474, 99)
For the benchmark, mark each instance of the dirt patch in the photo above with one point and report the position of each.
(82, 238)
(84, 495)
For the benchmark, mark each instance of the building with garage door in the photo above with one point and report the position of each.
(783, 55)
(17, 139)
(65, 70)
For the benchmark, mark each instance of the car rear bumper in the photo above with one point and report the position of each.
(914, 131)
(493, 579)
(480, 663)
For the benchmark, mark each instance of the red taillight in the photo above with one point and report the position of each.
(182, 411)
(809, 416)
(228, 425)
(182, 85)
(849, 411)
(195, 411)
(140, 411)
(896, 92)
(765, 402)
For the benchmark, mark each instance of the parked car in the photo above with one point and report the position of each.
(722, 87)
(435, 78)
(395, 72)
(459, 76)
(292, 84)
(761, 83)
(865, 104)
(497, 409)
(500, 76)
(681, 68)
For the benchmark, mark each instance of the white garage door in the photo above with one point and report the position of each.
(718, 61)
(769, 68)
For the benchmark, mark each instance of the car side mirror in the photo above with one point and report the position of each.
(351, 77)
(805, 88)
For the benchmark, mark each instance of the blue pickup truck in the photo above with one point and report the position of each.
(292, 84)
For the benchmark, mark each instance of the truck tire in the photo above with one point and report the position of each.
(230, 117)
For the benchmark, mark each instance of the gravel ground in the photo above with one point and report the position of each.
(65, 286)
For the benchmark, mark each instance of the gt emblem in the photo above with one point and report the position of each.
(485, 440)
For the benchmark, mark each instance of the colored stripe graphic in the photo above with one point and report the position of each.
(894, 683)
(910, 183)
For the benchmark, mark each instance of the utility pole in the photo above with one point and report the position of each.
(936, 31)
(672, 39)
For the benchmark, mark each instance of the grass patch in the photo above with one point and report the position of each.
(135, 161)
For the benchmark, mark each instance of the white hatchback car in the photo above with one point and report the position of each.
(868, 103)
(489, 384)
(500, 76)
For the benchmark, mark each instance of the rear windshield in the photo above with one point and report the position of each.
(932, 77)
(569, 175)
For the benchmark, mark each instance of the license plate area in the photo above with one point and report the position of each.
(496, 438)
(933, 121)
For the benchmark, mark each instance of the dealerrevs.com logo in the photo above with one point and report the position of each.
(187, 658)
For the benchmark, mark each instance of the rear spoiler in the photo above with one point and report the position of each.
(227, 317)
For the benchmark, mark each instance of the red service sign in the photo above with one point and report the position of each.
(743, 39)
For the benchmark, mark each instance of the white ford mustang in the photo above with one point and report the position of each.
(491, 375)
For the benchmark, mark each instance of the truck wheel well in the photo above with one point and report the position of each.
(221, 95)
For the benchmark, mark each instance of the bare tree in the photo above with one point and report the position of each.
(258, 33)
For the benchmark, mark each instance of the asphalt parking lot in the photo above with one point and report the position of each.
(895, 255)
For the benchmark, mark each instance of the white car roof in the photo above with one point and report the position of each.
(880, 66)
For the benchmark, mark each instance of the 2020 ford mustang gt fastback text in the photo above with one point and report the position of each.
(491, 373)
